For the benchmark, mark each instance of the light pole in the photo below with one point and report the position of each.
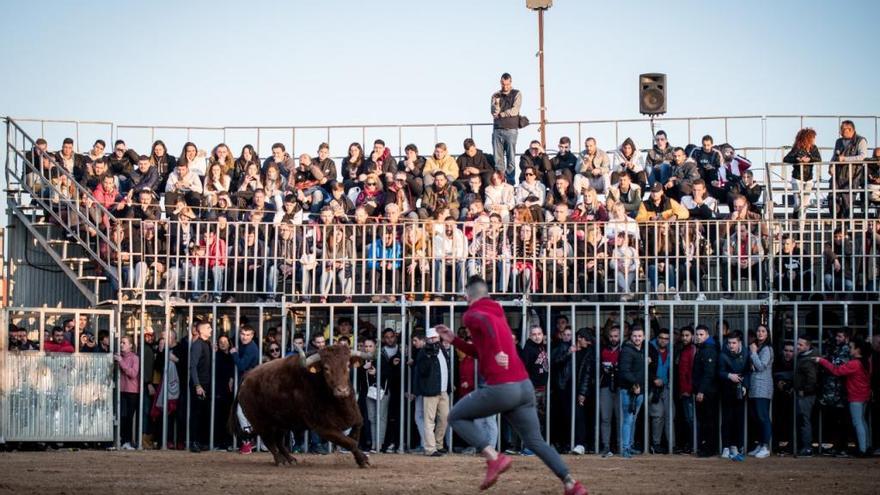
(541, 6)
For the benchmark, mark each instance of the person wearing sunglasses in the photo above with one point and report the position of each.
(660, 159)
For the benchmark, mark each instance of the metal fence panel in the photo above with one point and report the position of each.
(57, 397)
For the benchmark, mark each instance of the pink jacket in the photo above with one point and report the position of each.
(129, 373)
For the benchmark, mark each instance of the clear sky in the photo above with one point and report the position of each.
(409, 61)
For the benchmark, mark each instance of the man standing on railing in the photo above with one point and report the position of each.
(508, 391)
(847, 179)
(505, 109)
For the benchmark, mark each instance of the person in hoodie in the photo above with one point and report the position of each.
(508, 390)
(380, 163)
(660, 159)
(659, 394)
(705, 390)
(632, 380)
(627, 159)
(537, 362)
(681, 175)
(733, 373)
(129, 387)
(286, 164)
(856, 374)
(806, 384)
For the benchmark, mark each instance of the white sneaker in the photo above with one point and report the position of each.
(725, 454)
(701, 297)
(763, 453)
(661, 287)
(578, 450)
(127, 446)
(734, 451)
(754, 452)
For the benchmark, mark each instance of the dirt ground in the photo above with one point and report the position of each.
(96, 472)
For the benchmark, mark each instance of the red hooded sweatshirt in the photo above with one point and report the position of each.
(491, 334)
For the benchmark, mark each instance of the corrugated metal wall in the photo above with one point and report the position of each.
(30, 286)
(56, 397)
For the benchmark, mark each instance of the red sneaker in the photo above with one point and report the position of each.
(494, 470)
(246, 448)
(577, 489)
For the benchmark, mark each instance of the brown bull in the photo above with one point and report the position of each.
(296, 393)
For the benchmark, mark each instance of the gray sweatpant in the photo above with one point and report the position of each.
(516, 402)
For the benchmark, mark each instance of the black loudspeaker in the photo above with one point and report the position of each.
(652, 94)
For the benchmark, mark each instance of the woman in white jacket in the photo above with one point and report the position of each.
(499, 196)
(625, 261)
(628, 159)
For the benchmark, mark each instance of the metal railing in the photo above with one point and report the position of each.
(835, 189)
(59, 195)
(416, 260)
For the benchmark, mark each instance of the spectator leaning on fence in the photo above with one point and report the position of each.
(58, 343)
(733, 374)
(761, 393)
(857, 378)
(806, 384)
(129, 388)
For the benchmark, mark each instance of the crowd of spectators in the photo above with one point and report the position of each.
(679, 382)
(209, 225)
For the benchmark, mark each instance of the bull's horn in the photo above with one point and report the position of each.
(361, 355)
(314, 358)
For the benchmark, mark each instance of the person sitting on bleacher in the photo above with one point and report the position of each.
(752, 191)
(681, 175)
(145, 176)
(659, 207)
(699, 204)
(744, 254)
(184, 183)
(628, 193)
(709, 161)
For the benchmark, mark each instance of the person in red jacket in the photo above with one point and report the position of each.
(211, 253)
(685, 386)
(857, 380)
(58, 342)
(508, 390)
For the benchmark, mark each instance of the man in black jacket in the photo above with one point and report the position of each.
(121, 163)
(433, 369)
(632, 374)
(806, 381)
(705, 391)
(560, 400)
(201, 355)
(585, 367)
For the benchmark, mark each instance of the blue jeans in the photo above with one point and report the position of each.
(667, 276)
(857, 411)
(687, 409)
(660, 174)
(761, 410)
(504, 146)
(629, 401)
(198, 273)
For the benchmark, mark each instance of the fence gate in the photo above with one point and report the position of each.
(56, 396)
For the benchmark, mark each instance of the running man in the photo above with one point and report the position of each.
(509, 390)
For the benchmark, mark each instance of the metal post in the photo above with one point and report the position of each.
(541, 74)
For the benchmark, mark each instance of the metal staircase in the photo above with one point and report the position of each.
(60, 224)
